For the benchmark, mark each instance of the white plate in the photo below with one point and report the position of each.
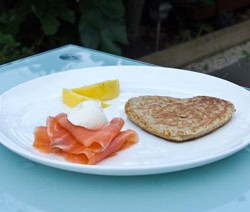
(26, 106)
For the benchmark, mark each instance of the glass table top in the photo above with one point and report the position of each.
(29, 186)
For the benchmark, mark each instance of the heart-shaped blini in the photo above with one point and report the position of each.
(179, 119)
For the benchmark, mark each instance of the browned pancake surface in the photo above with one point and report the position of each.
(179, 119)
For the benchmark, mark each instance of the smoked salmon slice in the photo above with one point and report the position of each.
(63, 140)
(59, 137)
(96, 140)
(42, 140)
(78, 144)
(115, 145)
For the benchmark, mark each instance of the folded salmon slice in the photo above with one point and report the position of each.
(42, 140)
(54, 138)
(63, 140)
(122, 138)
(116, 144)
(43, 143)
(95, 140)
(59, 137)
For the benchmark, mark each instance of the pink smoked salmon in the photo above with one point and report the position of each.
(96, 140)
(116, 144)
(42, 141)
(80, 145)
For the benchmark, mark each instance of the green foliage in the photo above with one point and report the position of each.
(51, 14)
(11, 49)
(31, 26)
(34, 26)
(102, 25)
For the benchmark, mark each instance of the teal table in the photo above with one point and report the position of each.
(26, 186)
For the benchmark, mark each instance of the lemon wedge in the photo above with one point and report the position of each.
(105, 90)
(72, 99)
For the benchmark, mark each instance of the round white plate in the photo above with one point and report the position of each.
(27, 105)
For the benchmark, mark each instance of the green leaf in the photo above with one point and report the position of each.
(94, 19)
(108, 45)
(89, 36)
(39, 10)
(68, 15)
(51, 13)
(50, 24)
(113, 9)
(10, 49)
(102, 25)
(118, 32)
(12, 19)
(63, 12)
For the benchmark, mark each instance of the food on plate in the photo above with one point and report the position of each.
(96, 140)
(179, 119)
(88, 114)
(71, 99)
(105, 90)
(79, 144)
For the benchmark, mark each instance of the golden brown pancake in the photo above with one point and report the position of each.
(179, 119)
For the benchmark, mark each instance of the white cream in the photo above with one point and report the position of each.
(88, 114)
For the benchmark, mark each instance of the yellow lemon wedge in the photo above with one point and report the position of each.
(71, 99)
(105, 90)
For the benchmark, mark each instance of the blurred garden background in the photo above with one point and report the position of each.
(130, 28)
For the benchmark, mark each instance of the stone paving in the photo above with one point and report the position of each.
(232, 64)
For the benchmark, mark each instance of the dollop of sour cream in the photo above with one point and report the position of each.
(88, 114)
